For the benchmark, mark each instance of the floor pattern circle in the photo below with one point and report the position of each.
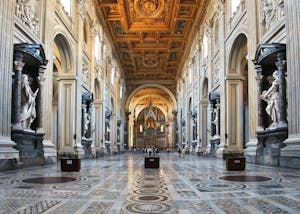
(245, 178)
(49, 180)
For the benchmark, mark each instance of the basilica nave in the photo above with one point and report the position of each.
(195, 82)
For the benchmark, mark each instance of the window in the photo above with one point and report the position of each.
(161, 128)
(121, 91)
(113, 75)
(234, 5)
(85, 32)
(205, 46)
(97, 48)
(67, 6)
(141, 128)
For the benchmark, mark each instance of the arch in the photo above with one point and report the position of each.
(128, 101)
(63, 47)
(85, 31)
(237, 126)
(204, 90)
(153, 96)
(97, 89)
(238, 50)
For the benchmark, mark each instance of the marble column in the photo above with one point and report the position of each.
(292, 150)
(282, 90)
(250, 151)
(6, 43)
(203, 125)
(48, 147)
(217, 120)
(16, 99)
(39, 101)
(131, 132)
(260, 108)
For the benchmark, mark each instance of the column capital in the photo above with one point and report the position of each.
(19, 64)
(280, 64)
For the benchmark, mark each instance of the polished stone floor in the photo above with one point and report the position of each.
(121, 184)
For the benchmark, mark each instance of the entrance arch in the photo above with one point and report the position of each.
(237, 127)
(163, 101)
(63, 125)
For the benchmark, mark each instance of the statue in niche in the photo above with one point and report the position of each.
(28, 112)
(272, 97)
(216, 120)
(86, 122)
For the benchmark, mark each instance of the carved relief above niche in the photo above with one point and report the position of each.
(25, 12)
(272, 12)
(216, 72)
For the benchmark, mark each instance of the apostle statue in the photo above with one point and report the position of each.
(28, 112)
(272, 97)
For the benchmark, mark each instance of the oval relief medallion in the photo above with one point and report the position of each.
(149, 8)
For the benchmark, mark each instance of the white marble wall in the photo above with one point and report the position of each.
(248, 21)
(292, 150)
(6, 46)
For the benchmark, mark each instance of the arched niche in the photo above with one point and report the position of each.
(237, 110)
(62, 53)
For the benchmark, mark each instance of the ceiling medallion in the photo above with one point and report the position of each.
(149, 8)
(150, 61)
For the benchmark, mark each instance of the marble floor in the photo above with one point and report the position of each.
(121, 184)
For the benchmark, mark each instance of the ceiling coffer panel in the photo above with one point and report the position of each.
(151, 36)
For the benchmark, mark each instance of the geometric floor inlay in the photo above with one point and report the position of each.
(147, 195)
(49, 180)
(245, 178)
(121, 185)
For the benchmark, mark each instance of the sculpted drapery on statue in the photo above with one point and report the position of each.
(272, 97)
(28, 111)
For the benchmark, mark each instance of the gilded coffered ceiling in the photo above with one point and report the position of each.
(151, 37)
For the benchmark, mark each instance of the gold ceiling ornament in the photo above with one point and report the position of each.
(149, 8)
(150, 61)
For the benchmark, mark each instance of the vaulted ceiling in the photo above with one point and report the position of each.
(151, 37)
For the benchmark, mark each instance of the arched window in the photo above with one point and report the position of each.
(67, 6)
(97, 48)
(141, 128)
(121, 91)
(190, 74)
(205, 46)
(234, 5)
(85, 32)
(113, 71)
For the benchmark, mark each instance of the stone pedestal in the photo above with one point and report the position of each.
(214, 142)
(87, 147)
(269, 145)
(30, 147)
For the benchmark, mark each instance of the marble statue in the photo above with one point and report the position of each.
(86, 122)
(272, 97)
(28, 112)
